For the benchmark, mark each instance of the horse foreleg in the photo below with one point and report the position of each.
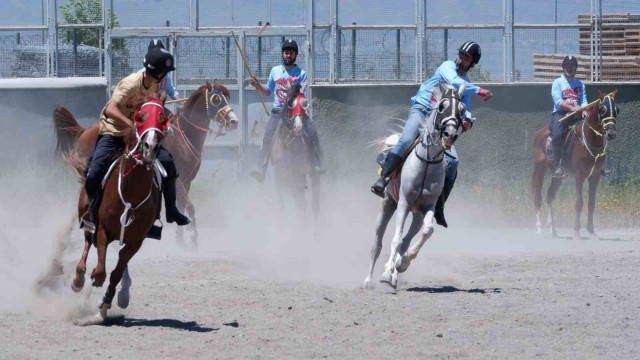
(99, 274)
(390, 268)
(126, 253)
(591, 206)
(386, 212)
(184, 202)
(579, 205)
(123, 294)
(427, 231)
(551, 196)
(315, 196)
(536, 190)
(81, 268)
(402, 264)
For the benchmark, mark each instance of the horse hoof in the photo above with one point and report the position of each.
(368, 284)
(78, 283)
(103, 311)
(123, 299)
(394, 281)
(402, 264)
(386, 278)
(593, 237)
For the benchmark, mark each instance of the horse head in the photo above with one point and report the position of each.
(607, 113)
(297, 105)
(450, 111)
(218, 108)
(151, 123)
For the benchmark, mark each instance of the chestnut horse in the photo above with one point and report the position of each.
(130, 200)
(585, 162)
(191, 124)
(290, 154)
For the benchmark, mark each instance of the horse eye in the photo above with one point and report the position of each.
(443, 105)
(304, 103)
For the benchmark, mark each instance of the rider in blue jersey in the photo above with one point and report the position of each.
(281, 78)
(569, 94)
(453, 72)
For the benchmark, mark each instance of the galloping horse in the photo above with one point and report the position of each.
(416, 186)
(130, 199)
(290, 153)
(585, 161)
(191, 124)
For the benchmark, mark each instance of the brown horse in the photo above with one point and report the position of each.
(290, 154)
(191, 126)
(130, 200)
(585, 162)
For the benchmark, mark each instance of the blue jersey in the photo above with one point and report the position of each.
(446, 72)
(280, 80)
(573, 93)
(167, 85)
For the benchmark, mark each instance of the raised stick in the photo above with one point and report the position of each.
(246, 65)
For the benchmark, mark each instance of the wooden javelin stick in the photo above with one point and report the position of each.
(577, 110)
(175, 101)
(246, 65)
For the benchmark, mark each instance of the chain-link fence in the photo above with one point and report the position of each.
(350, 41)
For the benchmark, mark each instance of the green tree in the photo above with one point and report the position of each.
(87, 12)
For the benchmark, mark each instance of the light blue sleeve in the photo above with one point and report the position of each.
(303, 80)
(141, 70)
(556, 93)
(583, 101)
(450, 75)
(271, 83)
(466, 99)
(170, 89)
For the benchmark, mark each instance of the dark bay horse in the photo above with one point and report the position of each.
(290, 154)
(191, 125)
(130, 200)
(585, 162)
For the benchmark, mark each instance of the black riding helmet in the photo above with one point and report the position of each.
(158, 60)
(570, 60)
(472, 49)
(290, 44)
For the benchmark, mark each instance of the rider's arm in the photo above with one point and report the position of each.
(302, 81)
(450, 75)
(583, 97)
(556, 95)
(170, 89)
(113, 112)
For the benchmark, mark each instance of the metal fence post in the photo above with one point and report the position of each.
(242, 102)
(508, 41)
(310, 21)
(421, 10)
(353, 53)
(333, 10)
(194, 16)
(108, 46)
(52, 23)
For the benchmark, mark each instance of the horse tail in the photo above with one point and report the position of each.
(77, 163)
(67, 131)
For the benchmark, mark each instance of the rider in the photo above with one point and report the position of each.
(166, 83)
(453, 72)
(128, 96)
(568, 94)
(281, 78)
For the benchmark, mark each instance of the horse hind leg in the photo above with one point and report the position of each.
(551, 195)
(591, 205)
(579, 205)
(99, 274)
(386, 212)
(536, 190)
(78, 280)
(124, 294)
(403, 262)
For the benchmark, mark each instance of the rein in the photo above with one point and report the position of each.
(598, 151)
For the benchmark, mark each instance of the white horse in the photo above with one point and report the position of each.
(417, 186)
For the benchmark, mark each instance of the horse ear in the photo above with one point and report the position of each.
(442, 88)
(208, 85)
(613, 94)
(600, 94)
(216, 83)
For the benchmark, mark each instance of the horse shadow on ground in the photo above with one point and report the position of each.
(165, 323)
(619, 239)
(452, 289)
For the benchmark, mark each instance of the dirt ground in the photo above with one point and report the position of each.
(515, 296)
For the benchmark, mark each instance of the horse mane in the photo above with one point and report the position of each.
(191, 101)
(293, 92)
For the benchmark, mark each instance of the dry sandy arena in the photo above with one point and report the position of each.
(268, 290)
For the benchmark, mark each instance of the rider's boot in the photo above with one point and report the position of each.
(172, 213)
(155, 232)
(390, 164)
(444, 195)
(557, 155)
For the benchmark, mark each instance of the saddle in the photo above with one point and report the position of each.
(389, 143)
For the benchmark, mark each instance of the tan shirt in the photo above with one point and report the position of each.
(129, 95)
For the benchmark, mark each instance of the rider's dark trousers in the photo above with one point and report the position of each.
(309, 132)
(106, 147)
(558, 131)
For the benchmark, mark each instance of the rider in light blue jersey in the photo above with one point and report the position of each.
(453, 72)
(166, 84)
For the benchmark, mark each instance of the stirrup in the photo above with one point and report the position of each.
(376, 187)
(559, 173)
